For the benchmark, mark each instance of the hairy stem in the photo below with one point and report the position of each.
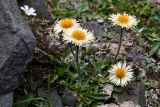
(70, 45)
(77, 59)
(120, 43)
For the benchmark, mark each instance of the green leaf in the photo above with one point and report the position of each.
(117, 89)
(102, 79)
(94, 64)
(154, 49)
(97, 96)
(26, 100)
(80, 104)
(53, 78)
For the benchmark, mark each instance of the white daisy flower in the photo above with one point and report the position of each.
(65, 24)
(78, 36)
(120, 74)
(28, 11)
(123, 20)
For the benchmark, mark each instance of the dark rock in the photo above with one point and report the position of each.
(94, 25)
(40, 7)
(136, 94)
(42, 93)
(6, 100)
(157, 2)
(69, 98)
(142, 99)
(56, 46)
(54, 96)
(17, 45)
(124, 104)
(31, 76)
(129, 104)
(108, 105)
(136, 54)
(41, 57)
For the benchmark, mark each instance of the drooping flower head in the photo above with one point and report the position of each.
(78, 36)
(65, 24)
(123, 20)
(120, 74)
(28, 11)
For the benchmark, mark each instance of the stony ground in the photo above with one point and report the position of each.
(145, 91)
(102, 49)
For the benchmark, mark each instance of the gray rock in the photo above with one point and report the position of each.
(157, 2)
(142, 98)
(108, 89)
(42, 93)
(41, 57)
(54, 96)
(114, 47)
(136, 54)
(136, 94)
(124, 104)
(108, 105)
(98, 29)
(6, 100)
(69, 98)
(129, 104)
(17, 44)
(40, 7)
(111, 105)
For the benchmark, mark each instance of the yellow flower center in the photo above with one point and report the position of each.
(123, 18)
(78, 35)
(120, 73)
(66, 23)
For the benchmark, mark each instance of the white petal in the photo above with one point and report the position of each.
(34, 14)
(26, 8)
(22, 8)
(32, 10)
(119, 65)
(124, 65)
